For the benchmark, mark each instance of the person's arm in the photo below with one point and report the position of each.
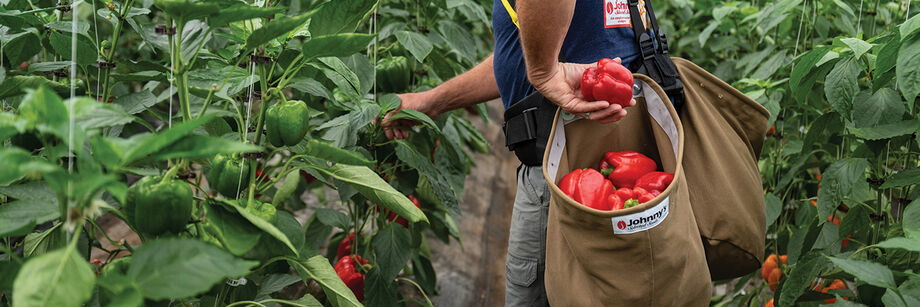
(469, 88)
(543, 25)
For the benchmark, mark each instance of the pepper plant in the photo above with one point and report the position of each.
(840, 163)
(204, 125)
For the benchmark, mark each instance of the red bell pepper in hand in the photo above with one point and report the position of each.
(587, 187)
(347, 270)
(624, 167)
(655, 181)
(610, 82)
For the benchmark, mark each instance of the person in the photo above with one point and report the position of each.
(526, 59)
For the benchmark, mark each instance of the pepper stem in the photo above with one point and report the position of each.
(606, 172)
(632, 202)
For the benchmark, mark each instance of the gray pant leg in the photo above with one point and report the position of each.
(526, 258)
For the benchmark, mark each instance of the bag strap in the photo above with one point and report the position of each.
(509, 7)
(654, 58)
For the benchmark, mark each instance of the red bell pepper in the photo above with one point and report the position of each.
(655, 181)
(587, 187)
(614, 202)
(632, 197)
(345, 247)
(624, 167)
(399, 220)
(348, 270)
(610, 82)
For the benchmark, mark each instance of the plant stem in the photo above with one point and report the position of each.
(180, 72)
(263, 107)
(119, 24)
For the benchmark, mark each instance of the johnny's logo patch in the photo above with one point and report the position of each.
(616, 13)
(642, 221)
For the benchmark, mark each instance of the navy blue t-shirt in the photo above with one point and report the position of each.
(593, 34)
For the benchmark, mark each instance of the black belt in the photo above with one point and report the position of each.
(527, 126)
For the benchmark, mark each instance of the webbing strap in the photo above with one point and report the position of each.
(511, 13)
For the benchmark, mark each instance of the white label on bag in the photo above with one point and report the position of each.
(641, 221)
(616, 13)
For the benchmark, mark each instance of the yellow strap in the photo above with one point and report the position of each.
(511, 13)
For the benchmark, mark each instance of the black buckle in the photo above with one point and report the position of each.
(529, 119)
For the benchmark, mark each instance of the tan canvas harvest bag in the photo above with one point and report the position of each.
(723, 133)
(649, 255)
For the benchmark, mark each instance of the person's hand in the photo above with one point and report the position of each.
(398, 128)
(562, 87)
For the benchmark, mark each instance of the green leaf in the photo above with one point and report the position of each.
(103, 116)
(800, 278)
(911, 220)
(19, 217)
(901, 243)
(841, 85)
(342, 131)
(887, 131)
(854, 221)
(380, 291)
(201, 146)
(417, 44)
(287, 188)
(369, 184)
(332, 217)
(179, 268)
(883, 107)
(458, 38)
(241, 12)
(341, 75)
(49, 66)
(185, 10)
(340, 16)
(870, 272)
(262, 224)
(116, 289)
(416, 116)
(136, 102)
(845, 179)
(154, 143)
(274, 29)
(389, 102)
(21, 47)
(11, 160)
(774, 208)
(805, 66)
(233, 231)
(32, 190)
(902, 179)
(392, 246)
(275, 282)
(62, 45)
(45, 110)
(858, 46)
(439, 183)
(40, 243)
(318, 269)
(59, 278)
(339, 45)
(910, 26)
(907, 72)
(887, 57)
(17, 85)
(331, 153)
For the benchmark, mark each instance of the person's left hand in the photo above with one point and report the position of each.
(563, 87)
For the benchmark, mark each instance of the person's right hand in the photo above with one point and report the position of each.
(562, 87)
(398, 128)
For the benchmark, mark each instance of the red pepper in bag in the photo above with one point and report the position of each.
(615, 202)
(624, 167)
(587, 187)
(347, 270)
(610, 82)
(655, 181)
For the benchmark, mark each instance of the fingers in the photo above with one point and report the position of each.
(615, 117)
(580, 106)
(605, 112)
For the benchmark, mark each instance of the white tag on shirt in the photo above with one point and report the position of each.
(616, 13)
